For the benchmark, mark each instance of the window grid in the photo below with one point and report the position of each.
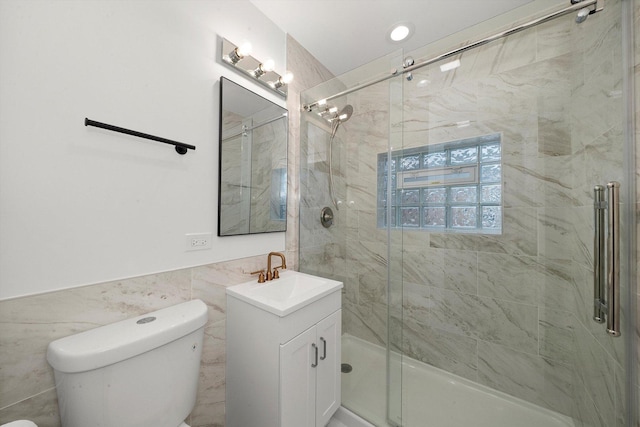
(468, 207)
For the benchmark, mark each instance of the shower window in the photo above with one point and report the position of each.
(455, 186)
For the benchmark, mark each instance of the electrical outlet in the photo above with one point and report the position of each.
(198, 241)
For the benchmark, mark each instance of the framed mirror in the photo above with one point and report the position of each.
(252, 191)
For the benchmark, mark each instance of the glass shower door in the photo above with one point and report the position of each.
(357, 249)
(502, 147)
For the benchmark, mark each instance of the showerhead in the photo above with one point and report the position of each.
(341, 117)
(345, 113)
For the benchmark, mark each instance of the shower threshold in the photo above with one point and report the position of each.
(430, 396)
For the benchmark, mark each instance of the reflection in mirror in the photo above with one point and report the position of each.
(252, 193)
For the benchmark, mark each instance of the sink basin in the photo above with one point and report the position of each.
(292, 291)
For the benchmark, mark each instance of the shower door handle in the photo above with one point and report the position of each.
(613, 260)
(599, 207)
(608, 308)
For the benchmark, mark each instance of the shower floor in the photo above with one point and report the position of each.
(432, 397)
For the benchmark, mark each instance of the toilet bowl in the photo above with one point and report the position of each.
(21, 423)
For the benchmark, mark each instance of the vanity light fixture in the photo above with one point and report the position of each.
(239, 58)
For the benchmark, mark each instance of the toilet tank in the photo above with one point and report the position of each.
(134, 373)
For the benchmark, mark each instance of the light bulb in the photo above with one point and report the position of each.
(244, 49)
(263, 68)
(268, 65)
(288, 77)
(238, 53)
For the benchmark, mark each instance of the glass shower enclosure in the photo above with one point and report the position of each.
(464, 223)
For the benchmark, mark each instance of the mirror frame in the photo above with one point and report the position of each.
(253, 102)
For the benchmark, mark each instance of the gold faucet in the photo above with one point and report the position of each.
(283, 265)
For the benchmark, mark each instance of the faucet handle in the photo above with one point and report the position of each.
(260, 274)
(276, 273)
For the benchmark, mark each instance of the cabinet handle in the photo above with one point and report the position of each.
(315, 347)
(324, 352)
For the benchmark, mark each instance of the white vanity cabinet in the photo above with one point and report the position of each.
(283, 367)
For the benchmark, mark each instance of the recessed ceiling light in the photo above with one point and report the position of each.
(400, 32)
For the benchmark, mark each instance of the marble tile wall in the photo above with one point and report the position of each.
(511, 311)
(28, 324)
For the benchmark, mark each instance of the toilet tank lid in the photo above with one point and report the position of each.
(109, 344)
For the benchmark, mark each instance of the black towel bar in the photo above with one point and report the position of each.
(181, 148)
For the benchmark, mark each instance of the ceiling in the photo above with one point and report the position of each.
(345, 34)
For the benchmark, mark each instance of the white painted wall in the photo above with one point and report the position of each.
(81, 205)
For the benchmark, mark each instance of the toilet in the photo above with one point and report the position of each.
(19, 423)
(134, 373)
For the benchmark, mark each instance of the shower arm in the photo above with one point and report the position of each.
(597, 4)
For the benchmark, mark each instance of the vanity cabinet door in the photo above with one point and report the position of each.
(310, 375)
(298, 381)
(328, 340)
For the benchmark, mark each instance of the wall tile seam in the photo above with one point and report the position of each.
(28, 398)
(115, 282)
(598, 342)
(518, 350)
(493, 343)
(538, 306)
(480, 340)
(593, 402)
